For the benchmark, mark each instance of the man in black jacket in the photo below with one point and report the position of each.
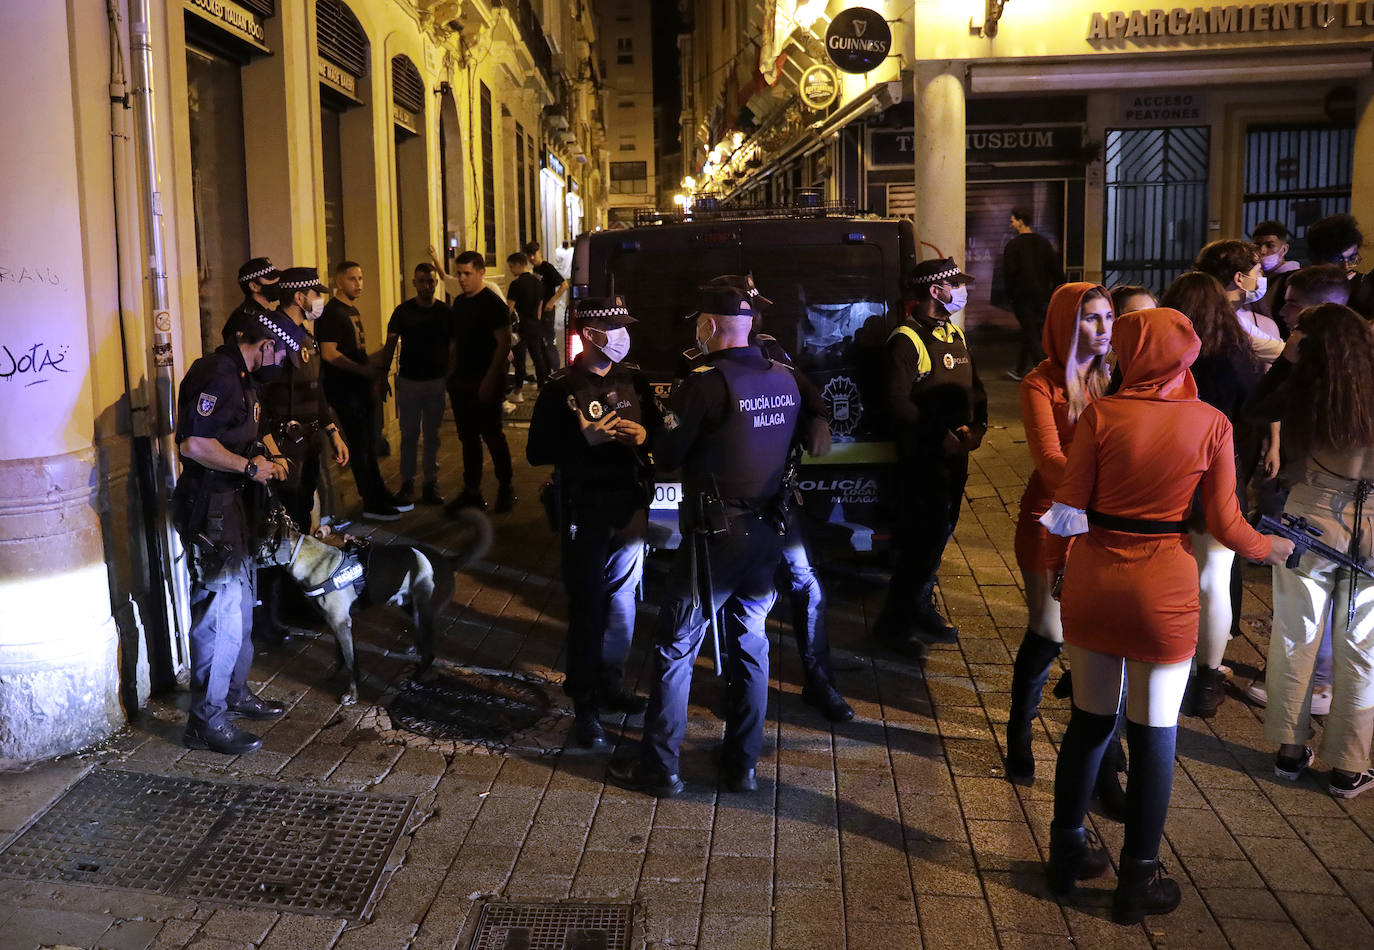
(1031, 269)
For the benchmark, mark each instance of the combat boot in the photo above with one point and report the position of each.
(1032, 668)
(1141, 889)
(1076, 855)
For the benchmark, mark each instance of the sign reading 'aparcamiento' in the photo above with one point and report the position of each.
(1230, 20)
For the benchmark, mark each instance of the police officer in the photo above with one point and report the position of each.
(940, 414)
(732, 426)
(258, 281)
(593, 422)
(797, 576)
(217, 431)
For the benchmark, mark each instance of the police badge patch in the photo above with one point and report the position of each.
(949, 361)
(595, 410)
(206, 404)
(256, 409)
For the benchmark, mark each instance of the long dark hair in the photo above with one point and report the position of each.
(1201, 299)
(1334, 378)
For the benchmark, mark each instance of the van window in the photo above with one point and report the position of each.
(659, 285)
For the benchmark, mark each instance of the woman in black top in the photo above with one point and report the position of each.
(1226, 371)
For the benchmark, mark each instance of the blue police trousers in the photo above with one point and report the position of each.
(742, 566)
(807, 601)
(221, 643)
(602, 566)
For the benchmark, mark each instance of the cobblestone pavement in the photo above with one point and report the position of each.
(895, 830)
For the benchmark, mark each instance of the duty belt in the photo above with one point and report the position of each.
(1136, 525)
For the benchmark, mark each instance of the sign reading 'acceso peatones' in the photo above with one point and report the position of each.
(858, 39)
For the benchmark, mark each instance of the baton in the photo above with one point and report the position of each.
(711, 605)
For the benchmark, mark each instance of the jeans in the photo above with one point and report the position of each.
(221, 644)
(807, 600)
(420, 404)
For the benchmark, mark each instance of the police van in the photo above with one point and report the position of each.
(835, 281)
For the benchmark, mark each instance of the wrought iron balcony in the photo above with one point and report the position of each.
(532, 32)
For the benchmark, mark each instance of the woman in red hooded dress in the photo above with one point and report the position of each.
(1130, 596)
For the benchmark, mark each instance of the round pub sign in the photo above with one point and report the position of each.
(858, 39)
(819, 86)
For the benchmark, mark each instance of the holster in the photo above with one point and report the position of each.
(551, 497)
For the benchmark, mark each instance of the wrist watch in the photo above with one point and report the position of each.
(251, 469)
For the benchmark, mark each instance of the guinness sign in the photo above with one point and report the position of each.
(819, 86)
(858, 39)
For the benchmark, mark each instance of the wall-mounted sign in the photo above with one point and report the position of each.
(858, 39)
(232, 17)
(1165, 107)
(404, 118)
(339, 79)
(1229, 20)
(893, 148)
(819, 86)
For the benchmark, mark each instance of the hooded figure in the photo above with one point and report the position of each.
(1130, 595)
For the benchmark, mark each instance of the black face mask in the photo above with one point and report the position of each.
(269, 374)
(270, 293)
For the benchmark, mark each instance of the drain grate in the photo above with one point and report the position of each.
(553, 926)
(469, 705)
(275, 847)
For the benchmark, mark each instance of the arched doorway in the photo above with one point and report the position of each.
(411, 184)
(457, 228)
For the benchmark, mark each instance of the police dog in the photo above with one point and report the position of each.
(403, 575)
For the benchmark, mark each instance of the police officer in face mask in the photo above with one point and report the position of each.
(258, 281)
(940, 412)
(733, 423)
(593, 422)
(217, 431)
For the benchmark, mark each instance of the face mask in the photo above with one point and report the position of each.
(703, 341)
(269, 374)
(316, 308)
(616, 344)
(957, 301)
(269, 293)
(1269, 261)
(1261, 285)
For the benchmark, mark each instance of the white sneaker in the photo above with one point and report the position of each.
(1257, 693)
(1321, 697)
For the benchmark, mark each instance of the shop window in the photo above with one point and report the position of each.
(629, 178)
(1297, 174)
(1156, 204)
(488, 180)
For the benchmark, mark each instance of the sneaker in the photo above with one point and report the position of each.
(468, 499)
(1291, 769)
(1348, 786)
(505, 499)
(431, 496)
(1258, 693)
(402, 502)
(382, 512)
(1015, 376)
(1321, 700)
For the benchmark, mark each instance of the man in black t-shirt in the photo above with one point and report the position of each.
(554, 286)
(477, 371)
(525, 294)
(423, 326)
(349, 380)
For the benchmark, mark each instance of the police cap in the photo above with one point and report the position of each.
(605, 312)
(928, 273)
(282, 329)
(744, 283)
(295, 279)
(259, 269)
(723, 300)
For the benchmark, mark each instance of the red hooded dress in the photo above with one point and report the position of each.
(1049, 432)
(1140, 454)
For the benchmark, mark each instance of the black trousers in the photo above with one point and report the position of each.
(357, 418)
(602, 565)
(1031, 316)
(927, 512)
(538, 345)
(479, 422)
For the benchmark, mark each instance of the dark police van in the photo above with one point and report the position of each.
(835, 281)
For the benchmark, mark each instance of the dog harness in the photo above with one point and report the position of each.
(349, 572)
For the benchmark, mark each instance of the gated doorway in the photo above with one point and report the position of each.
(1297, 174)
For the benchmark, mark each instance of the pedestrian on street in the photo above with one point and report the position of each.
(423, 327)
(1077, 337)
(1031, 270)
(258, 281)
(1236, 266)
(733, 423)
(350, 380)
(593, 423)
(555, 285)
(217, 435)
(525, 293)
(1130, 593)
(940, 413)
(478, 353)
(1272, 238)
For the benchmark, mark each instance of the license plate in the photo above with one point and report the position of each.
(667, 495)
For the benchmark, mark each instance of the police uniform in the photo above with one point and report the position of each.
(259, 269)
(733, 423)
(600, 505)
(934, 389)
(219, 400)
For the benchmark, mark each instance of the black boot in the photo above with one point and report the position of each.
(587, 730)
(1076, 855)
(1033, 661)
(1111, 797)
(1207, 692)
(1142, 888)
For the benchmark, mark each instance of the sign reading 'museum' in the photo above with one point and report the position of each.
(1230, 20)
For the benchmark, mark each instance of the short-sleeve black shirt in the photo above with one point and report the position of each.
(475, 322)
(342, 325)
(551, 278)
(424, 333)
(218, 400)
(527, 293)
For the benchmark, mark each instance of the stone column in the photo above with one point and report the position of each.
(938, 92)
(58, 667)
(1362, 184)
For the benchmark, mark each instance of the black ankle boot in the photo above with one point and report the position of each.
(1207, 692)
(1033, 661)
(1076, 855)
(1111, 797)
(1142, 888)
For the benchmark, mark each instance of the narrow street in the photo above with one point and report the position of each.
(894, 830)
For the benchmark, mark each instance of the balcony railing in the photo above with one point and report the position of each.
(527, 21)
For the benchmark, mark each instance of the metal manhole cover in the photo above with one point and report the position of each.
(553, 926)
(467, 704)
(274, 847)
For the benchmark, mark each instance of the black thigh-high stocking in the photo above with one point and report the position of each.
(1080, 755)
(1149, 783)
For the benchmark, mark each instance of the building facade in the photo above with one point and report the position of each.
(309, 131)
(1135, 135)
(626, 29)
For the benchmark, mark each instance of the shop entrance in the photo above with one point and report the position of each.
(1297, 174)
(1156, 204)
(218, 186)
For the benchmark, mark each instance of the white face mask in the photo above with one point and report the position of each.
(702, 342)
(1270, 261)
(615, 344)
(957, 301)
(316, 308)
(1261, 286)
